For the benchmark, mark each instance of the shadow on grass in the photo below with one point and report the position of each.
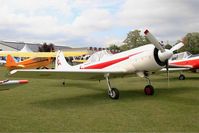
(100, 98)
(83, 85)
(176, 79)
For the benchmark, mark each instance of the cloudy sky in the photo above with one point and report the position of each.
(84, 23)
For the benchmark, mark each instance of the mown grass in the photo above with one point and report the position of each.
(83, 106)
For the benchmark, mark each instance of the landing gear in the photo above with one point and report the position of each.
(112, 92)
(149, 90)
(63, 83)
(181, 77)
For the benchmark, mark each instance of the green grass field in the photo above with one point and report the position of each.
(83, 106)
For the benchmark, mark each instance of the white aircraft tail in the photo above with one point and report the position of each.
(61, 63)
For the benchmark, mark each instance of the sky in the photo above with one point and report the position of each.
(99, 23)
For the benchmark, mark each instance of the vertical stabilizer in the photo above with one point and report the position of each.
(60, 62)
(10, 62)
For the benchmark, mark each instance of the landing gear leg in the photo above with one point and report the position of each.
(149, 90)
(112, 92)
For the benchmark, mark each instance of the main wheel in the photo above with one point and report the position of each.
(181, 77)
(114, 93)
(148, 90)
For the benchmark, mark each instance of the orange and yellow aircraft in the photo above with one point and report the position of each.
(37, 62)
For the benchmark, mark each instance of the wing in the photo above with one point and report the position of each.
(180, 66)
(175, 69)
(96, 74)
(39, 54)
(10, 84)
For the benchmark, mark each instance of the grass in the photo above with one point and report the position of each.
(83, 106)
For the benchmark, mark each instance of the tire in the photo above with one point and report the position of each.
(149, 90)
(181, 77)
(114, 94)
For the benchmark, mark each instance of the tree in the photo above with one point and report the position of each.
(46, 47)
(114, 47)
(134, 39)
(191, 43)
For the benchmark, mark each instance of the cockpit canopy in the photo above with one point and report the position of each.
(179, 56)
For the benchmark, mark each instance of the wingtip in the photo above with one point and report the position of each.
(23, 81)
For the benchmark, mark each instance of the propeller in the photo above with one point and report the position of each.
(164, 54)
(167, 69)
(153, 40)
(177, 46)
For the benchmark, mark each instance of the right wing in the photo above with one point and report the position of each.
(175, 69)
(82, 74)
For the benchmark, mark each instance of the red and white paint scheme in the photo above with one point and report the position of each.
(142, 61)
(184, 61)
(7, 84)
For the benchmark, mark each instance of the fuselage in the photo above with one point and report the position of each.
(138, 59)
(192, 62)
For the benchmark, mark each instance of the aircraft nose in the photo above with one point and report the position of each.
(163, 56)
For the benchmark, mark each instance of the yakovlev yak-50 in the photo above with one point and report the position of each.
(142, 61)
(184, 61)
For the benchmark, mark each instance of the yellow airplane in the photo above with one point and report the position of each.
(37, 62)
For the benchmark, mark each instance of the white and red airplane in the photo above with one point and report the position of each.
(142, 61)
(184, 61)
(8, 84)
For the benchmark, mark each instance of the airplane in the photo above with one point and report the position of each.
(143, 61)
(8, 84)
(184, 61)
(37, 62)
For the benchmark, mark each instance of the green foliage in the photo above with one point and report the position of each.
(191, 41)
(46, 47)
(134, 39)
(114, 47)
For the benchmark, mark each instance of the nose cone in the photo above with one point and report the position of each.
(163, 56)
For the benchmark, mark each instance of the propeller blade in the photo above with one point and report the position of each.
(167, 68)
(153, 40)
(177, 46)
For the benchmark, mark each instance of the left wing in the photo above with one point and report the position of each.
(39, 54)
(82, 74)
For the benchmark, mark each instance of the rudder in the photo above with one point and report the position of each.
(60, 62)
(10, 62)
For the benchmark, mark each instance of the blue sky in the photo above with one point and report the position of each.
(84, 23)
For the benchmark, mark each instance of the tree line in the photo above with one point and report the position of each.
(135, 39)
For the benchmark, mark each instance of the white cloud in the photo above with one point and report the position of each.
(92, 21)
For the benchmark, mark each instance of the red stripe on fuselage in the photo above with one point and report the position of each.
(108, 63)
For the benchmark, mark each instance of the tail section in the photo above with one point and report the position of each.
(60, 62)
(10, 62)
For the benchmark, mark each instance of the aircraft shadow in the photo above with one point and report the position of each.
(176, 79)
(89, 86)
(101, 98)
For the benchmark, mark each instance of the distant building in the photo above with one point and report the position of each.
(17, 46)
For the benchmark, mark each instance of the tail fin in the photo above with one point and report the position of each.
(60, 62)
(10, 62)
